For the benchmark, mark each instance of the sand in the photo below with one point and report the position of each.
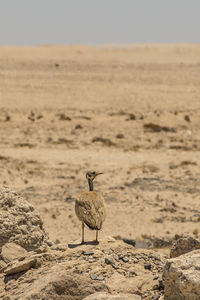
(132, 113)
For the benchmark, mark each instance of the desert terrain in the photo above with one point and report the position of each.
(130, 112)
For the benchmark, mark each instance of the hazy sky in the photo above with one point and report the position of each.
(99, 21)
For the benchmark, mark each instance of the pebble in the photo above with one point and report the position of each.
(125, 259)
(78, 126)
(156, 297)
(147, 266)
(129, 241)
(87, 252)
(86, 258)
(109, 261)
(116, 257)
(100, 277)
(133, 273)
(95, 277)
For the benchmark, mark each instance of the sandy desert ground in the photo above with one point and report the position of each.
(131, 112)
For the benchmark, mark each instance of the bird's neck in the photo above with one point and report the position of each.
(90, 182)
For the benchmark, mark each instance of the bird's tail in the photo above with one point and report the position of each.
(93, 227)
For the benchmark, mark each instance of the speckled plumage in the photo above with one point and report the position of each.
(90, 209)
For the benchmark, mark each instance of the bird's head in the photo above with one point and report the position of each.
(90, 175)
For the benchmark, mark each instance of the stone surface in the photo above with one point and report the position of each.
(184, 245)
(20, 222)
(2, 264)
(58, 284)
(20, 266)
(12, 251)
(106, 296)
(67, 275)
(181, 277)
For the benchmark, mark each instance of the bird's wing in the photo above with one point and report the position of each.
(90, 209)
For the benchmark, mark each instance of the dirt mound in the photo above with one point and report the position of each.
(75, 273)
(20, 222)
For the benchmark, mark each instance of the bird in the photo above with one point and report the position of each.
(90, 208)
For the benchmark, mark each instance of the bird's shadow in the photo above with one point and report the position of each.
(94, 243)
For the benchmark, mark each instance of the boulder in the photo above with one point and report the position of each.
(20, 222)
(106, 296)
(58, 284)
(181, 277)
(184, 245)
(20, 266)
(12, 251)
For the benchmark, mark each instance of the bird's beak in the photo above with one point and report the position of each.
(99, 173)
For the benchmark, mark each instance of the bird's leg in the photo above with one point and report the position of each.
(97, 237)
(82, 232)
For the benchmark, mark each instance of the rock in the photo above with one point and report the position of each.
(57, 283)
(88, 253)
(120, 136)
(78, 126)
(131, 117)
(147, 266)
(156, 297)
(20, 222)
(63, 117)
(67, 275)
(184, 245)
(181, 277)
(106, 296)
(12, 251)
(19, 266)
(2, 287)
(129, 241)
(93, 276)
(59, 247)
(109, 261)
(187, 118)
(100, 278)
(151, 127)
(125, 259)
(105, 141)
(2, 264)
(161, 242)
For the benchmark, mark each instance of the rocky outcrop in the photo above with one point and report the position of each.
(111, 267)
(184, 245)
(20, 222)
(58, 284)
(181, 277)
(106, 296)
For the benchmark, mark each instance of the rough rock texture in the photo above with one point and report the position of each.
(20, 266)
(11, 251)
(59, 284)
(106, 296)
(181, 277)
(184, 245)
(20, 222)
(83, 270)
